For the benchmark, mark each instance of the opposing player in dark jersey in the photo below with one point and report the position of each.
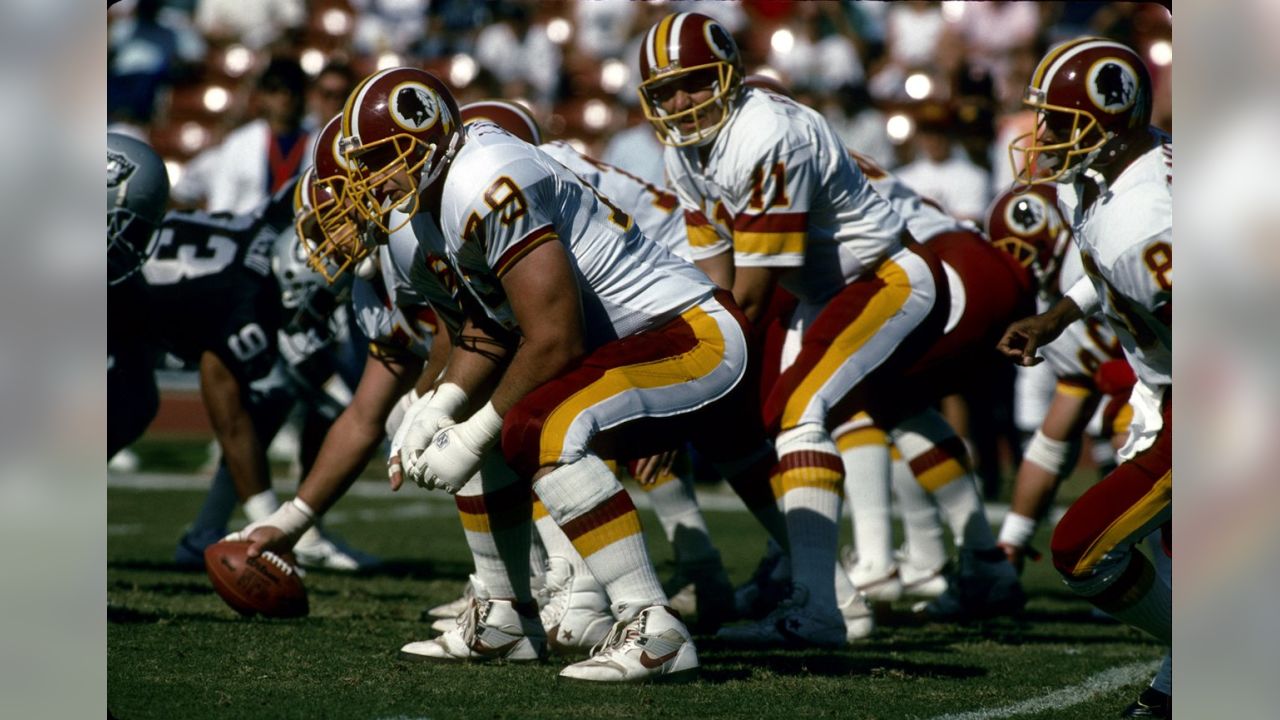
(210, 298)
(137, 193)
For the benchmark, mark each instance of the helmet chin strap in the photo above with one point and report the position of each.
(438, 168)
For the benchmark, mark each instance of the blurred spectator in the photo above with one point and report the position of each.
(521, 54)
(943, 172)
(328, 92)
(990, 31)
(390, 25)
(258, 157)
(860, 124)
(602, 27)
(1012, 119)
(811, 52)
(145, 55)
(255, 24)
(913, 31)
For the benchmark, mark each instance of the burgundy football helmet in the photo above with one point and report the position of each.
(324, 216)
(690, 52)
(1086, 92)
(400, 131)
(510, 116)
(1027, 225)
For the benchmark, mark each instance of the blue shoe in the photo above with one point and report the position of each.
(190, 551)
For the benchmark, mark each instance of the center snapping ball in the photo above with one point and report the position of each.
(267, 585)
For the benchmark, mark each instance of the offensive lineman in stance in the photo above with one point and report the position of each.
(1115, 186)
(620, 345)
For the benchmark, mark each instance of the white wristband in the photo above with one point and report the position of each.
(1017, 530)
(482, 428)
(1054, 456)
(293, 518)
(449, 398)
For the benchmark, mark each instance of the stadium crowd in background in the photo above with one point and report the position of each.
(933, 88)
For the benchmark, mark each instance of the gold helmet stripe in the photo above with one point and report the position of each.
(1038, 77)
(349, 114)
(662, 38)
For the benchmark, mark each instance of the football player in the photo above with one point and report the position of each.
(1029, 226)
(137, 195)
(1114, 173)
(987, 288)
(772, 197)
(623, 348)
(215, 299)
(700, 588)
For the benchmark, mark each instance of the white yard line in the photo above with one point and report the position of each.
(1103, 682)
(714, 499)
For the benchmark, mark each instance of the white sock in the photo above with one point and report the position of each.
(556, 543)
(494, 509)
(808, 478)
(259, 507)
(589, 504)
(937, 458)
(961, 505)
(866, 484)
(925, 548)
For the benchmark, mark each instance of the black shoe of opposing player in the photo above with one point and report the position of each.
(1150, 704)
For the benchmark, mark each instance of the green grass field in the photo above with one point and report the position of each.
(175, 651)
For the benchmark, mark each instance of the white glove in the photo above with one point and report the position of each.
(397, 415)
(292, 519)
(456, 451)
(419, 425)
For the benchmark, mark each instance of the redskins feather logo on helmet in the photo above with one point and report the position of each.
(692, 53)
(1028, 226)
(400, 130)
(510, 116)
(1086, 92)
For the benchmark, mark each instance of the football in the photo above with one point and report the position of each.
(268, 584)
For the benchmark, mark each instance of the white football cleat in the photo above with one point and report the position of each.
(452, 609)
(880, 585)
(314, 550)
(922, 583)
(859, 620)
(488, 630)
(794, 623)
(576, 614)
(652, 647)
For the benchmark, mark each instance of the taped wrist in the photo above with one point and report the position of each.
(293, 518)
(1056, 457)
(448, 398)
(482, 428)
(1017, 530)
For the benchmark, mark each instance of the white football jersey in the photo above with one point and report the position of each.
(503, 197)
(1085, 344)
(924, 218)
(655, 210)
(780, 189)
(1126, 245)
